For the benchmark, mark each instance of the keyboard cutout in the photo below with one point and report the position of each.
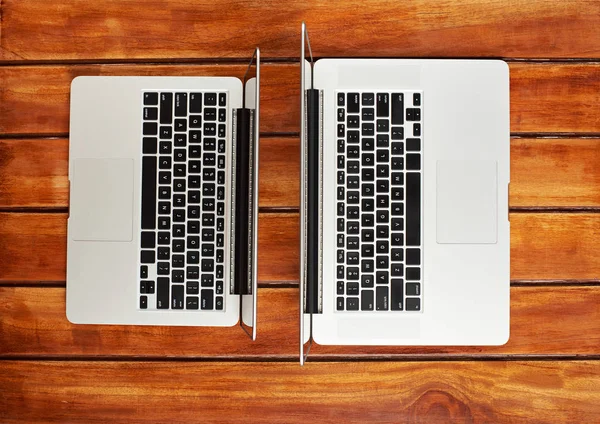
(467, 192)
(102, 200)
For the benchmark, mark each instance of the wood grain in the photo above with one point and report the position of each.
(567, 322)
(544, 246)
(545, 97)
(561, 173)
(430, 392)
(76, 29)
(34, 247)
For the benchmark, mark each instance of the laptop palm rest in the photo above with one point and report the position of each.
(377, 328)
(103, 210)
(467, 201)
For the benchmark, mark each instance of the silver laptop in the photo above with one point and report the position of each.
(164, 200)
(404, 202)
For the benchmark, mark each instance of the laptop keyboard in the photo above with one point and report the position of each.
(182, 236)
(379, 163)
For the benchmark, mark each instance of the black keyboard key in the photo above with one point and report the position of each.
(367, 300)
(397, 270)
(416, 130)
(413, 209)
(413, 144)
(413, 289)
(368, 219)
(368, 159)
(381, 298)
(367, 235)
(397, 178)
(367, 280)
(194, 151)
(178, 245)
(163, 253)
(340, 271)
(340, 303)
(413, 114)
(397, 133)
(148, 257)
(142, 286)
(180, 125)
(210, 144)
(397, 289)
(191, 302)
(383, 105)
(206, 299)
(164, 192)
(222, 99)
(180, 104)
(352, 243)
(195, 136)
(353, 166)
(341, 129)
(383, 262)
(143, 302)
(340, 240)
(383, 216)
(195, 122)
(352, 258)
(353, 121)
(164, 162)
(352, 289)
(220, 256)
(416, 99)
(383, 125)
(195, 102)
(193, 273)
(397, 163)
(383, 186)
(193, 242)
(368, 114)
(149, 145)
(382, 277)
(368, 129)
(413, 256)
(222, 115)
(165, 147)
(352, 136)
(352, 212)
(192, 287)
(397, 255)
(209, 159)
(352, 197)
(150, 98)
(210, 99)
(207, 280)
(368, 190)
(341, 99)
(353, 182)
(221, 132)
(413, 162)
(397, 239)
(162, 293)
(210, 114)
(178, 261)
(340, 256)
(177, 296)
(352, 227)
(178, 275)
(340, 144)
(368, 174)
(219, 303)
(150, 128)
(148, 239)
(397, 224)
(208, 265)
(383, 155)
(149, 193)
(397, 148)
(166, 108)
(367, 250)
(219, 287)
(340, 193)
(413, 273)
(210, 129)
(383, 171)
(397, 109)
(353, 104)
(382, 247)
(368, 99)
(144, 271)
(208, 234)
(180, 140)
(163, 268)
(352, 303)
(341, 115)
(368, 205)
(413, 304)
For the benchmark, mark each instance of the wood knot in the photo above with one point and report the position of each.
(436, 406)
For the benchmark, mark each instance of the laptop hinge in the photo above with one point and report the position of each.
(242, 198)
(313, 289)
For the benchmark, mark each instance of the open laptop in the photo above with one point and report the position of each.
(163, 178)
(404, 202)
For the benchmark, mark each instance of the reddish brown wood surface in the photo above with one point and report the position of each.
(544, 173)
(545, 97)
(544, 246)
(77, 29)
(414, 392)
(567, 322)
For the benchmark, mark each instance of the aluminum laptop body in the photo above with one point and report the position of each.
(117, 130)
(459, 171)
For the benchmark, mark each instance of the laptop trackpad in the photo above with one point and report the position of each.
(467, 201)
(102, 200)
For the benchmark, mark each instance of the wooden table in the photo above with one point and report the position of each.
(53, 371)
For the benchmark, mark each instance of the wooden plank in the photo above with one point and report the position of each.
(42, 93)
(567, 322)
(358, 392)
(544, 246)
(544, 173)
(555, 172)
(73, 29)
(546, 97)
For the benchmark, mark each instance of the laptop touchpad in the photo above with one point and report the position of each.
(466, 201)
(101, 200)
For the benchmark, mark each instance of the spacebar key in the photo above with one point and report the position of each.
(149, 193)
(413, 209)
